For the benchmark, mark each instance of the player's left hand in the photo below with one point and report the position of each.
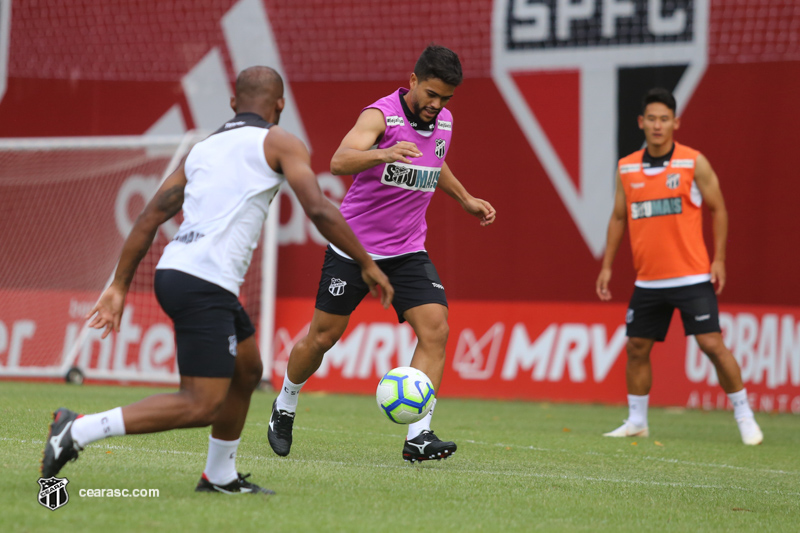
(481, 209)
(718, 275)
(107, 312)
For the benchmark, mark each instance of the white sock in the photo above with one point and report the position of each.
(221, 462)
(287, 399)
(741, 407)
(418, 427)
(90, 428)
(637, 409)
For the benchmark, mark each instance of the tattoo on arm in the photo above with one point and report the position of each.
(171, 201)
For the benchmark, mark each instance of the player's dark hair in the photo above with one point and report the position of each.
(659, 95)
(439, 62)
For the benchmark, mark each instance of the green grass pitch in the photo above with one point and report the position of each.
(520, 466)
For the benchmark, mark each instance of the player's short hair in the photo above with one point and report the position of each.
(439, 62)
(259, 81)
(659, 95)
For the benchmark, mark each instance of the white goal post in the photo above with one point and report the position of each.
(66, 206)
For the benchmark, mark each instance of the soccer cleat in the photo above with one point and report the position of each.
(427, 446)
(240, 485)
(751, 433)
(59, 446)
(280, 430)
(629, 429)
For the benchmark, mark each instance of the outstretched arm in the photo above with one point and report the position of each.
(107, 313)
(616, 229)
(708, 183)
(474, 206)
(354, 154)
(286, 154)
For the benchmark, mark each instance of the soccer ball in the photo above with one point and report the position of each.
(405, 395)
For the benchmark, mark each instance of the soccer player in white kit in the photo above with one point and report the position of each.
(224, 186)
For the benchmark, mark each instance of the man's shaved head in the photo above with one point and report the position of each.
(259, 90)
(259, 82)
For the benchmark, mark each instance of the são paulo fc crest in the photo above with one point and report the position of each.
(53, 492)
(440, 148)
(583, 66)
(673, 181)
(336, 287)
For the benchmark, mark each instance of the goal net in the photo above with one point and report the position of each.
(66, 206)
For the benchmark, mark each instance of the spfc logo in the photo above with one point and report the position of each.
(53, 492)
(336, 287)
(629, 316)
(440, 148)
(673, 181)
(597, 57)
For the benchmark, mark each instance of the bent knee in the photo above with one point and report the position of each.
(638, 348)
(435, 335)
(711, 345)
(322, 341)
(251, 370)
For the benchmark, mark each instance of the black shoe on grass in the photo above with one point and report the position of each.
(240, 485)
(427, 446)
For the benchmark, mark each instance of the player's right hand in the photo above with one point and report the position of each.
(602, 284)
(401, 152)
(374, 277)
(107, 312)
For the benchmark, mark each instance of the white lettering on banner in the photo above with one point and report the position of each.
(604, 354)
(298, 229)
(21, 330)
(524, 355)
(344, 354)
(379, 347)
(156, 349)
(766, 348)
(767, 403)
(368, 351)
(156, 346)
(469, 360)
(572, 349)
(563, 347)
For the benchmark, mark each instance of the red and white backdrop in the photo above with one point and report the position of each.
(548, 103)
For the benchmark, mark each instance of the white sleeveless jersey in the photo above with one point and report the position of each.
(228, 191)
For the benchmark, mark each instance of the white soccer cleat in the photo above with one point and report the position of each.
(629, 430)
(751, 433)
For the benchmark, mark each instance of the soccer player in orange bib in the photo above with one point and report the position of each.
(660, 192)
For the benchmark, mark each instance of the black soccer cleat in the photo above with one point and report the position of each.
(59, 448)
(240, 485)
(427, 446)
(280, 430)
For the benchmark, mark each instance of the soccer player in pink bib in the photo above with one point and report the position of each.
(396, 154)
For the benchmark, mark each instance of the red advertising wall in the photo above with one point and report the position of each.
(525, 322)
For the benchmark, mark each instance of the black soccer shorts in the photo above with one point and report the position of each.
(209, 323)
(412, 275)
(650, 311)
